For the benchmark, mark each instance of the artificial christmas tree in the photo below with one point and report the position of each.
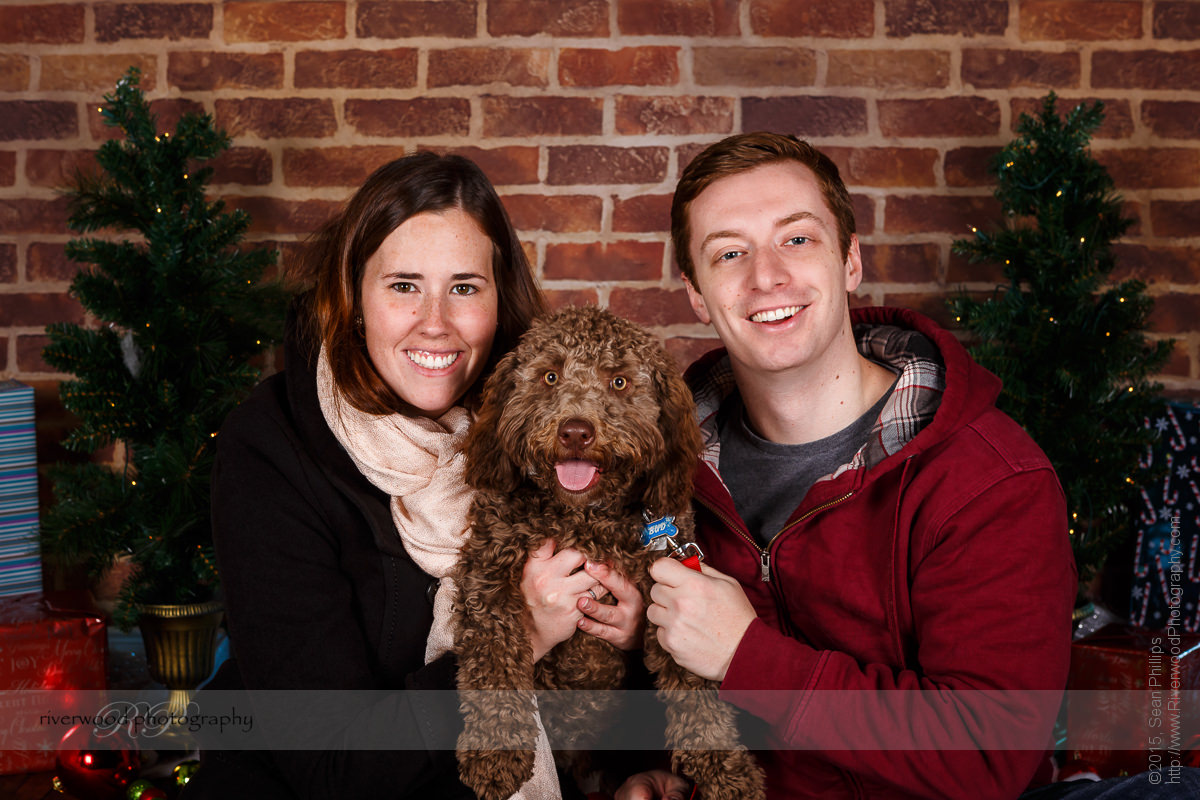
(1068, 344)
(181, 312)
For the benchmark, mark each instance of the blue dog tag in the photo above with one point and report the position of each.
(658, 528)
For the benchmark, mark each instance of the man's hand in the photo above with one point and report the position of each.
(701, 616)
(653, 786)
(622, 625)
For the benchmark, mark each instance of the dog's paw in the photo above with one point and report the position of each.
(495, 774)
(722, 774)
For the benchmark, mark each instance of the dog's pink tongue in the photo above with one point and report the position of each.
(574, 476)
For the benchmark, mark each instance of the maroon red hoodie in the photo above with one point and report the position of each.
(914, 622)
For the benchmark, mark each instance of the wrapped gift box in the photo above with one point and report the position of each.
(43, 646)
(20, 566)
(1132, 699)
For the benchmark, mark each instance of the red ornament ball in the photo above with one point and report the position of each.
(96, 767)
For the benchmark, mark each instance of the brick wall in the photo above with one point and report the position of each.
(583, 113)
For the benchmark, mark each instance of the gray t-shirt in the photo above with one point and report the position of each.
(768, 480)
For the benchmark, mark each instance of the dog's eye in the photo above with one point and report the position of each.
(550, 378)
(619, 383)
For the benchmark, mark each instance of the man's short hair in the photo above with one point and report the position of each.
(742, 153)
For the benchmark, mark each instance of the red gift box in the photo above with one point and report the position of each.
(1131, 700)
(43, 646)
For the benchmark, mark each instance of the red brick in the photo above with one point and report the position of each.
(284, 22)
(563, 298)
(8, 263)
(864, 213)
(8, 167)
(652, 306)
(14, 72)
(806, 116)
(970, 166)
(284, 118)
(191, 70)
(556, 213)
(454, 19)
(48, 262)
(38, 309)
(334, 166)
(604, 261)
(504, 166)
(931, 304)
(58, 168)
(173, 21)
(1172, 120)
(1152, 167)
(643, 213)
(961, 17)
(939, 117)
(356, 69)
(542, 116)
(889, 69)
(1004, 69)
(1071, 22)
(29, 353)
(170, 110)
(598, 164)
(248, 166)
(901, 263)
(576, 18)
(939, 214)
(754, 66)
(959, 271)
(1175, 217)
(629, 66)
(24, 215)
(1118, 116)
(885, 166)
(60, 23)
(1175, 313)
(275, 215)
(1157, 264)
(1146, 69)
(1180, 362)
(674, 115)
(1177, 20)
(841, 19)
(94, 72)
(677, 17)
(477, 66)
(687, 349)
(421, 116)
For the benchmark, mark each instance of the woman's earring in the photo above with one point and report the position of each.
(358, 323)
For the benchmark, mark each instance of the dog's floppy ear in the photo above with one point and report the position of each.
(487, 464)
(670, 488)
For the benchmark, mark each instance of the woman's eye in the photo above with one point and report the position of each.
(550, 378)
(463, 289)
(619, 383)
(402, 287)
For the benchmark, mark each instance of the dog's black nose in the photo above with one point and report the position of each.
(576, 434)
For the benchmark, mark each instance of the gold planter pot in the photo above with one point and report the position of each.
(181, 641)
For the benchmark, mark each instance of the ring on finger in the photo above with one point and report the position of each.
(592, 592)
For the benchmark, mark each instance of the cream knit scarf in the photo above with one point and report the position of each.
(419, 462)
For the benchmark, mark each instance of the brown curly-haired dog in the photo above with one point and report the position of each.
(583, 427)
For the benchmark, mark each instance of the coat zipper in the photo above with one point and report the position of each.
(764, 553)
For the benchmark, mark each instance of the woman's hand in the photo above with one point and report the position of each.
(553, 585)
(652, 786)
(623, 625)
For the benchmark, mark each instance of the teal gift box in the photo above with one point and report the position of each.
(20, 564)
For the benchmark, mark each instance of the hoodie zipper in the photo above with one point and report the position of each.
(764, 553)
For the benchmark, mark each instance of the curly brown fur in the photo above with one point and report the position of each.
(614, 399)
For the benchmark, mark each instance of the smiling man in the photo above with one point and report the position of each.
(889, 579)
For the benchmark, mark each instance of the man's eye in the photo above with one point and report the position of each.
(729, 256)
(464, 289)
(798, 240)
